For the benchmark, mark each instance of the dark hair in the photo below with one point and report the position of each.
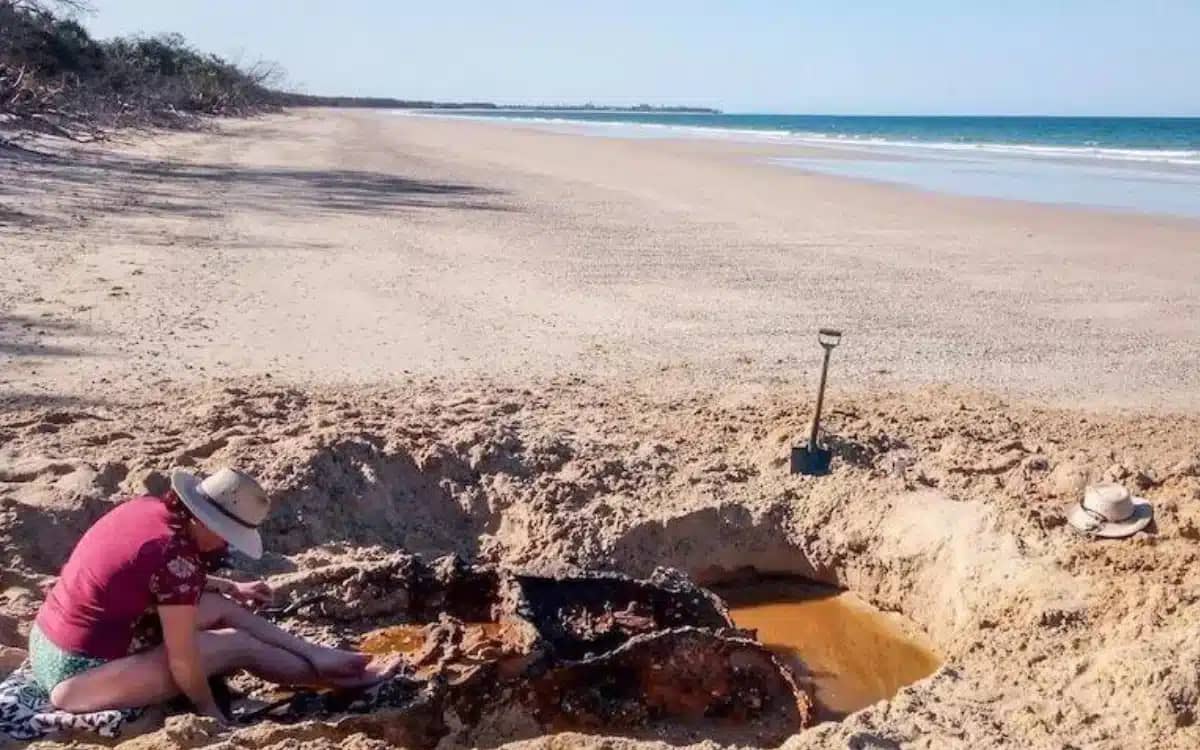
(181, 515)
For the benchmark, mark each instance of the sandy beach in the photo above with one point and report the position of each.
(361, 247)
(546, 350)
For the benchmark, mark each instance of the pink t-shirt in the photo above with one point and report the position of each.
(137, 555)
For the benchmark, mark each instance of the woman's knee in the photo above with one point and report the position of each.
(131, 681)
(66, 697)
(79, 695)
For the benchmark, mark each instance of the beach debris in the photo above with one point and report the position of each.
(811, 458)
(583, 651)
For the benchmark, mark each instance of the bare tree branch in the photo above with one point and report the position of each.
(44, 6)
(54, 77)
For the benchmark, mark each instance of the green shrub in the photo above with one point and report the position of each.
(52, 64)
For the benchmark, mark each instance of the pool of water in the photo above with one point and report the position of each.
(407, 639)
(851, 654)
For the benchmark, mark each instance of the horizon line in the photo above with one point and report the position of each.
(664, 109)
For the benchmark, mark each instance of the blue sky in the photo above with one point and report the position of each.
(869, 57)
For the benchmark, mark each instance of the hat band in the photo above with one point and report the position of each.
(224, 511)
(1098, 518)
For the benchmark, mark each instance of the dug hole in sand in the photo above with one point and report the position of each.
(944, 510)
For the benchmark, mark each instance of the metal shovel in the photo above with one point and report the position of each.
(811, 458)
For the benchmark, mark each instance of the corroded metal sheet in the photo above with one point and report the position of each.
(582, 651)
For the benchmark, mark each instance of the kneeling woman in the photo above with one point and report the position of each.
(147, 554)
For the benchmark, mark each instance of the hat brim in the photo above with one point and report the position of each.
(246, 541)
(1143, 514)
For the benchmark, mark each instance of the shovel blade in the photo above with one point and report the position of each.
(810, 461)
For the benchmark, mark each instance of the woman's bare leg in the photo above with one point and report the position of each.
(216, 611)
(230, 638)
(145, 679)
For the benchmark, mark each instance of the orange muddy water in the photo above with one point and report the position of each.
(398, 639)
(403, 639)
(851, 654)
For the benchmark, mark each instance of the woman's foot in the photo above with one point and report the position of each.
(332, 663)
(376, 670)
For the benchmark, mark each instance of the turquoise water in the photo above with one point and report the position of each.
(1146, 137)
(1140, 164)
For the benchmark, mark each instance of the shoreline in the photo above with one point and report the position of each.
(749, 134)
(447, 247)
(982, 169)
(456, 247)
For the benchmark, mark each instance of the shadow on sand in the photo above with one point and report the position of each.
(126, 184)
(20, 336)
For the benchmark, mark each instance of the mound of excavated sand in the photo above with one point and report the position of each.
(944, 506)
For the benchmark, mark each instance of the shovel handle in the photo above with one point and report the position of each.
(829, 337)
(816, 423)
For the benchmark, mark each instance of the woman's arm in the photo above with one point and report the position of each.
(250, 594)
(183, 658)
(222, 586)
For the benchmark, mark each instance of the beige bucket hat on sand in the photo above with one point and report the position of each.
(1109, 511)
(229, 502)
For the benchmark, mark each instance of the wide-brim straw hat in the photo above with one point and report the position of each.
(1109, 511)
(230, 503)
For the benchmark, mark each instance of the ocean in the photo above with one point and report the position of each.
(1139, 164)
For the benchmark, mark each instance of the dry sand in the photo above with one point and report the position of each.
(545, 350)
(359, 247)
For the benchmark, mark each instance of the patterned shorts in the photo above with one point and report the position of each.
(51, 665)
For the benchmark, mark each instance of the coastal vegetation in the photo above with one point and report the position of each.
(56, 78)
(292, 99)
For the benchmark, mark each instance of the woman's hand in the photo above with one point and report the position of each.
(215, 713)
(251, 593)
(247, 594)
(183, 657)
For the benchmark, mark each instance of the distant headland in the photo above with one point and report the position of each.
(371, 102)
